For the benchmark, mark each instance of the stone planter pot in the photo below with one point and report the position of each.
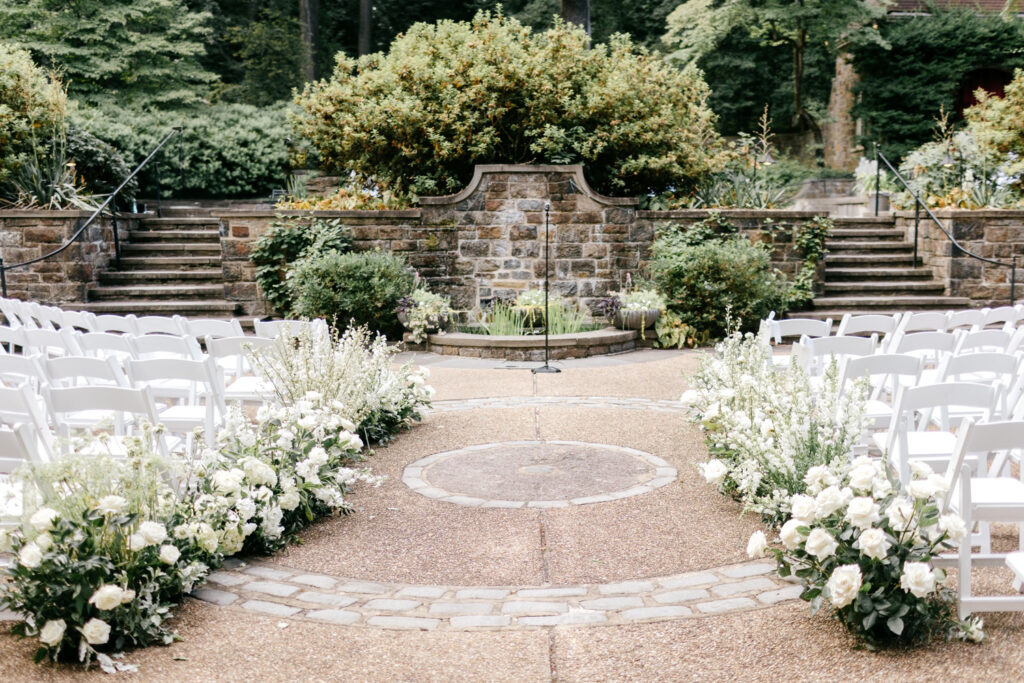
(636, 320)
(445, 323)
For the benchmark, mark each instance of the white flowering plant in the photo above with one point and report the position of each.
(95, 569)
(423, 311)
(766, 427)
(266, 480)
(864, 548)
(355, 370)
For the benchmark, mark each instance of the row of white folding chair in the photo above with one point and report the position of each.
(18, 449)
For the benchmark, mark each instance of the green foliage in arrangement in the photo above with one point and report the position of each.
(32, 108)
(141, 52)
(287, 241)
(352, 289)
(900, 93)
(228, 150)
(998, 124)
(709, 280)
(450, 95)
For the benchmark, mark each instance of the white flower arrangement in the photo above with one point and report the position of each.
(425, 311)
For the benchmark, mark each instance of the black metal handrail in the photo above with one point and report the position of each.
(81, 229)
(919, 204)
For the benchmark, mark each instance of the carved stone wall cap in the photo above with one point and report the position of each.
(731, 213)
(480, 169)
(350, 213)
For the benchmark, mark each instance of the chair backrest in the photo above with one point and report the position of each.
(870, 323)
(47, 317)
(12, 339)
(117, 400)
(931, 346)
(272, 328)
(17, 448)
(84, 371)
(51, 342)
(214, 328)
(983, 367)
(813, 354)
(993, 439)
(17, 369)
(895, 369)
(14, 312)
(150, 346)
(933, 321)
(22, 404)
(1003, 316)
(122, 324)
(969, 319)
(798, 327)
(237, 348)
(984, 340)
(160, 324)
(203, 373)
(102, 344)
(82, 321)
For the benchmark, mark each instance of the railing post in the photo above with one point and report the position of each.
(156, 172)
(917, 221)
(878, 178)
(3, 281)
(117, 240)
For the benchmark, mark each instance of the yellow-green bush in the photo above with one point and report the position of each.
(998, 124)
(32, 105)
(453, 94)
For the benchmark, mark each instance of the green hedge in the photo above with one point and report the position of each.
(229, 150)
(32, 107)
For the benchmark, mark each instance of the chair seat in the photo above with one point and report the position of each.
(180, 417)
(87, 418)
(992, 492)
(923, 444)
(248, 388)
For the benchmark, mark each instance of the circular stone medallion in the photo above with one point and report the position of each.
(537, 474)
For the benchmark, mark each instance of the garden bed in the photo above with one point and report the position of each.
(531, 347)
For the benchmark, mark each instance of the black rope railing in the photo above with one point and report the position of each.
(919, 204)
(110, 201)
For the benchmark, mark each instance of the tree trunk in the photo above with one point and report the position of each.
(365, 27)
(577, 12)
(800, 115)
(307, 33)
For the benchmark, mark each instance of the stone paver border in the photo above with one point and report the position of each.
(412, 476)
(289, 593)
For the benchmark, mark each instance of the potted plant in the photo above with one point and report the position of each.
(424, 312)
(635, 310)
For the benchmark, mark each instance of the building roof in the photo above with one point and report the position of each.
(913, 6)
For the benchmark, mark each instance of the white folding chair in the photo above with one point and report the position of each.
(215, 328)
(873, 323)
(119, 407)
(51, 343)
(984, 340)
(203, 407)
(80, 321)
(981, 500)
(151, 346)
(22, 404)
(271, 329)
(887, 373)
(47, 317)
(932, 347)
(103, 344)
(242, 382)
(160, 324)
(14, 313)
(924, 321)
(12, 339)
(17, 450)
(74, 371)
(16, 369)
(969, 319)
(815, 354)
(1003, 317)
(797, 327)
(914, 435)
(120, 324)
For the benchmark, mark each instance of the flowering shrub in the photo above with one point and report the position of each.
(424, 311)
(353, 372)
(767, 428)
(864, 548)
(96, 569)
(267, 480)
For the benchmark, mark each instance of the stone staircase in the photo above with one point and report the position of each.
(169, 266)
(870, 269)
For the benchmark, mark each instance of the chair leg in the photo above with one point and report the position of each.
(964, 575)
(984, 538)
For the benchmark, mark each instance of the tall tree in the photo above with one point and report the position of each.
(697, 26)
(577, 12)
(365, 26)
(128, 51)
(307, 29)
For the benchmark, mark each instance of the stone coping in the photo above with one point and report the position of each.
(966, 213)
(63, 213)
(353, 213)
(575, 169)
(732, 213)
(603, 337)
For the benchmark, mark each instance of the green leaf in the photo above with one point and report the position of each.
(895, 625)
(869, 621)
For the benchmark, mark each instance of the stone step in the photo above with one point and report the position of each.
(162, 248)
(863, 221)
(212, 308)
(141, 276)
(172, 223)
(857, 234)
(836, 315)
(868, 260)
(884, 287)
(839, 274)
(889, 303)
(162, 291)
(857, 246)
(168, 262)
(146, 236)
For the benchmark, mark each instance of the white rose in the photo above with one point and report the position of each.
(107, 597)
(921, 488)
(900, 513)
(289, 500)
(111, 505)
(844, 584)
(246, 508)
(828, 501)
(317, 456)
(757, 545)
(227, 482)
(974, 632)
(42, 519)
(802, 507)
(181, 532)
(862, 460)
(52, 632)
(153, 533)
(714, 472)
(349, 441)
(789, 534)
(136, 542)
(818, 477)
(259, 472)
(938, 483)
(862, 512)
(920, 469)
(820, 544)
(881, 488)
(30, 555)
(874, 544)
(862, 477)
(96, 631)
(953, 526)
(169, 554)
(689, 397)
(127, 596)
(918, 578)
(44, 541)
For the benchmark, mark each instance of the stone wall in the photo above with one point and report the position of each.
(993, 234)
(64, 278)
